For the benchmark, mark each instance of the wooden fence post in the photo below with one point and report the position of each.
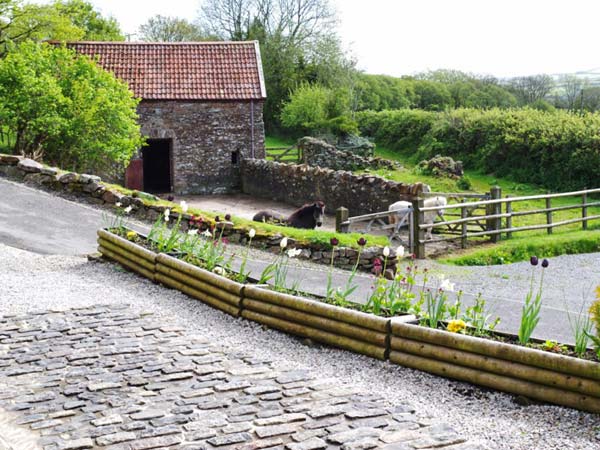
(463, 226)
(341, 215)
(549, 214)
(509, 218)
(494, 209)
(584, 210)
(418, 237)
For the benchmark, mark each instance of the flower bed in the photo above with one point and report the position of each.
(541, 375)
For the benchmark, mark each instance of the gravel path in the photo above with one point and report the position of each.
(29, 282)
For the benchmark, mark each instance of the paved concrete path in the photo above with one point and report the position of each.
(38, 221)
(107, 376)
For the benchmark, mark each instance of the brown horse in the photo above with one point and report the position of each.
(308, 216)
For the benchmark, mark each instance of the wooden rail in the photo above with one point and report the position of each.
(284, 154)
(495, 222)
(494, 217)
(378, 222)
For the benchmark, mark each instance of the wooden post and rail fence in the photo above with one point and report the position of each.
(495, 222)
(291, 154)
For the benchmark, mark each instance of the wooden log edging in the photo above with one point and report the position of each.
(544, 376)
(199, 283)
(340, 327)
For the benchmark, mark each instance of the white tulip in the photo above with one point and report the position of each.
(128, 209)
(400, 252)
(118, 204)
(183, 205)
(193, 232)
(386, 251)
(252, 233)
(167, 213)
(207, 233)
(283, 243)
(293, 252)
(445, 285)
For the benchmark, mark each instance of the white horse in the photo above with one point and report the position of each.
(402, 207)
(431, 215)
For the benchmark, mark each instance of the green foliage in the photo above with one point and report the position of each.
(307, 108)
(316, 109)
(557, 150)
(434, 91)
(530, 313)
(399, 130)
(83, 16)
(595, 317)
(464, 183)
(61, 20)
(64, 107)
(382, 92)
(431, 96)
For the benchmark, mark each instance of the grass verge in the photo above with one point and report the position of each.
(521, 249)
(315, 237)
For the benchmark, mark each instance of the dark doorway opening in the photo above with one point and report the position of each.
(157, 166)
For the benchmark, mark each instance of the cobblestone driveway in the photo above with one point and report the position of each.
(107, 376)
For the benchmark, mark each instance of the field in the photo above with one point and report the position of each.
(566, 239)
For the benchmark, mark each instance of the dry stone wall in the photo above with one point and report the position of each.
(91, 189)
(316, 152)
(298, 184)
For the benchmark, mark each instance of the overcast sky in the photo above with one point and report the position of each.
(396, 37)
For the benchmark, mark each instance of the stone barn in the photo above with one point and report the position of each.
(201, 110)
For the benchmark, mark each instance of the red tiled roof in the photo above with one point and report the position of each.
(183, 71)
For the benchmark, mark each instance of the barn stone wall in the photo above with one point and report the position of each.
(299, 184)
(204, 136)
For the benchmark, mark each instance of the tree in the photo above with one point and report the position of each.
(531, 89)
(297, 40)
(591, 98)
(431, 96)
(572, 88)
(296, 21)
(64, 107)
(83, 15)
(169, 29)
(70, 20)
(307, 107)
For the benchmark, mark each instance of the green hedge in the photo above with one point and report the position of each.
(558, 150)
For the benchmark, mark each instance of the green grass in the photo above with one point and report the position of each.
(566, 239)
(274, 141)
(521, 249)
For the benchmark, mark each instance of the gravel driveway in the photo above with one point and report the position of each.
(31, 282)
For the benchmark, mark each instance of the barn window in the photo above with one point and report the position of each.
(235, 158)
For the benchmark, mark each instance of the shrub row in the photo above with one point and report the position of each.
(558, 150)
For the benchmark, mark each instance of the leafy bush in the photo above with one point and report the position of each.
(66, 109)
(558, 150)
(464, 183)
